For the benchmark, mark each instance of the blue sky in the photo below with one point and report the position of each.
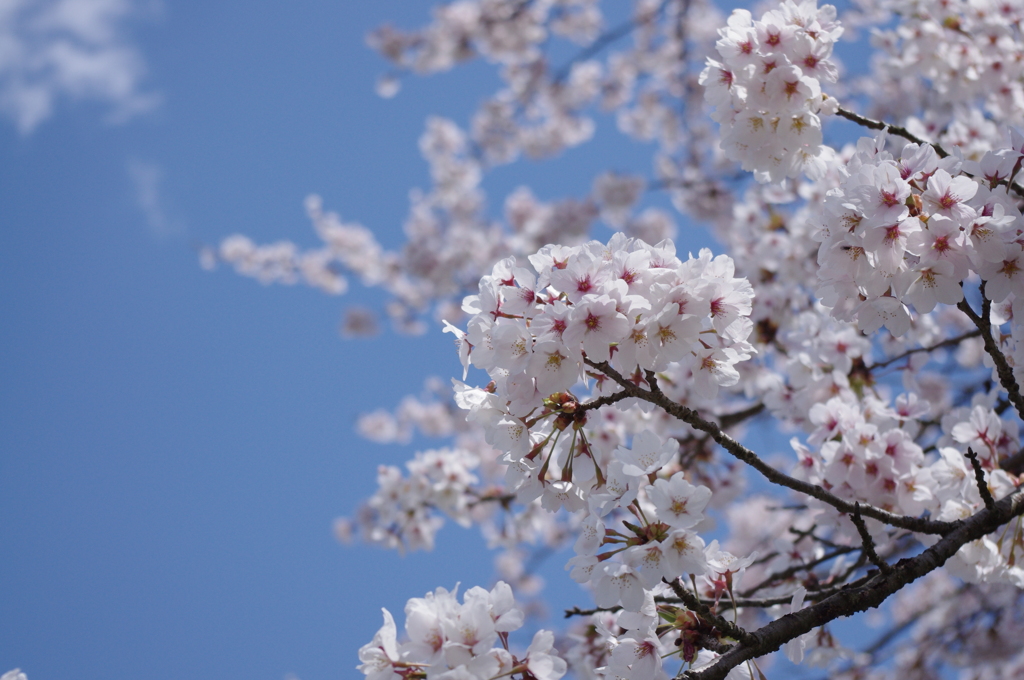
(175, 444)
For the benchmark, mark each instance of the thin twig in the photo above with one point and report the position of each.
(727, 420)
(945, 343)
(766, 602)
(895, 129)
(602, 41)
(979, 477)
(603, 401)
(868, 542)
(906, 134)
(576, 611)
(785, 574)
(984, 323)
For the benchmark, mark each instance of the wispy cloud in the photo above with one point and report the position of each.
(77, 49)
(148, 178)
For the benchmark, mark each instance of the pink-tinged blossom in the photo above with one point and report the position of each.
(541, 659)
(981, 432)
(637, 658)
(596, 323)
(884, 311)
(685, 553)
(553, 368)
(767, 95)
(1004, 277)
(941, 241)
(929, 284)
(679, 503)
(947, 196)
(672, 337)
(380, 655)
(647, 454)
(714, 368)
(882, 194)
(619, 584)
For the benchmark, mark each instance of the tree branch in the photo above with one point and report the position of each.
(895, 129)
(867, 541)
(874, 592)
(984, 323)
(909, 136)
(979, 477)
(694, 604)
(945, 343)
(796, 569)
(692, 418)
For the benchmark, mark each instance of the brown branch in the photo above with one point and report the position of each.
(784, 574)
(984, 323)
(979, 477)
(694, 604)
(867, 541)
(909, 136)
(766, 602)
(945, 343)
(1013, 464)
(658, 398)
(603, 401)
(874, 592)
(895, 129)
(727, 420)
(576, 611)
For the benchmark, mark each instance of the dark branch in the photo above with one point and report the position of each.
(603, 401)
(766, 602)
(727, 420)
(1013, 464)
(796, 569)
(909, 136)
(984, 323)
(867, 541)
(693, 603)
(979, 477)
(576, 611)
(873, 593)
(945, 343)
(895, 129)
(691, 417)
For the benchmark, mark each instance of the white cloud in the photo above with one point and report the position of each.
(78, 49)
(147, 178)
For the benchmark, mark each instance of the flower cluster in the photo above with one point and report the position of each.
(401, 513)
(452, 641)
(536, 331)
(909, 229)
(870, 455)
(942, 54)
(767, 91)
